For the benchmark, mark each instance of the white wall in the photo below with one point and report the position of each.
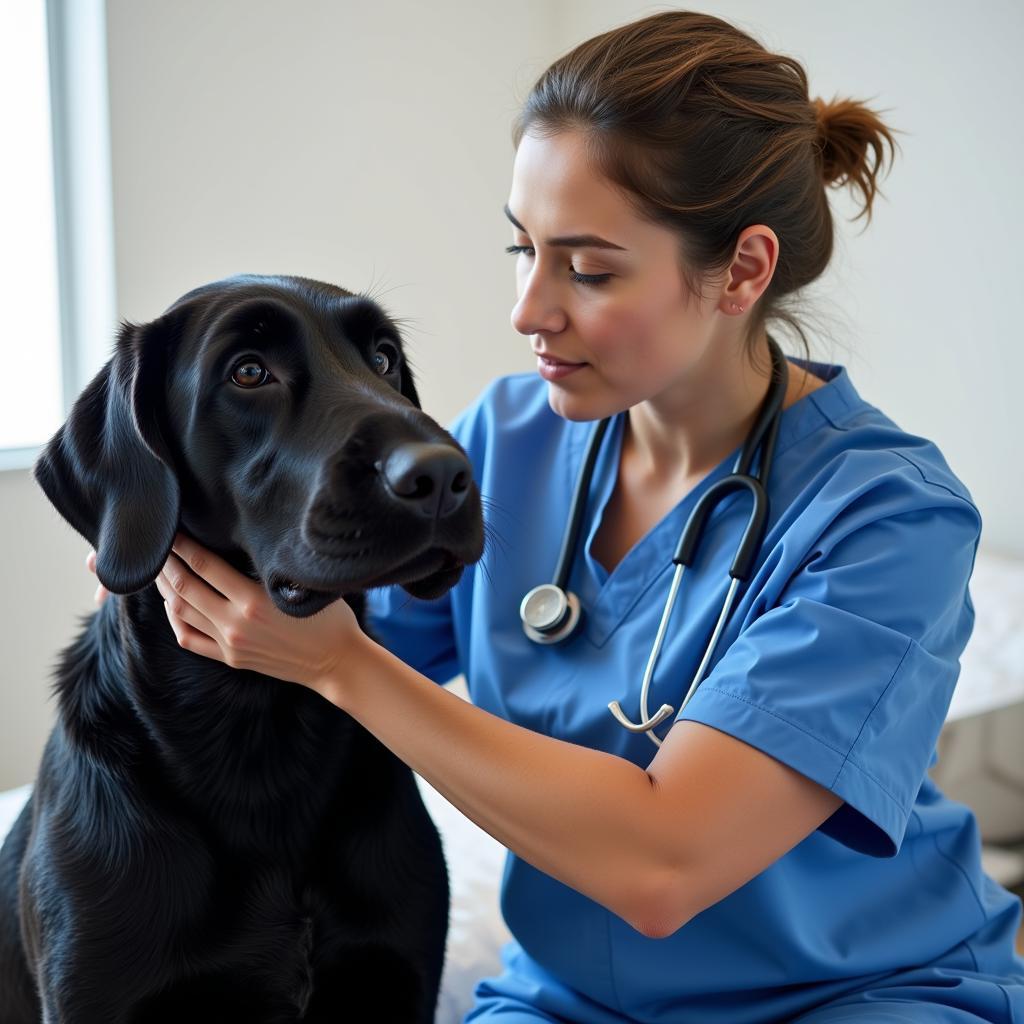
(921, 301)
(369, 145)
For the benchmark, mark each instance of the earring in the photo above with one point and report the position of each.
(740, 308)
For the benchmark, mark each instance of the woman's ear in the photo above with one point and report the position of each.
(108, 470)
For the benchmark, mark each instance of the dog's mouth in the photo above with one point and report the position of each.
(427, 576)
(297, 597)
(436, 581)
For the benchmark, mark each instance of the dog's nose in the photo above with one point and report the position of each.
(429, 479)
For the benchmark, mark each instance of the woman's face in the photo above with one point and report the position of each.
(630, 319)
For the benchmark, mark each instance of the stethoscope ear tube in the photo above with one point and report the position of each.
(750, 543)
(766, 429)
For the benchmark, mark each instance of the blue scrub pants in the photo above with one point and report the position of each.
(970, 1002)
(929, 995)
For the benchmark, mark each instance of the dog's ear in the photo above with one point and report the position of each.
(108, 469)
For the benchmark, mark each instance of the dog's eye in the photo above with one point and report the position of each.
(385, 359)
(250, 373)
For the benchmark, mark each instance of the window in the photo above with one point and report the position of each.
(56, 244)
(30, 375)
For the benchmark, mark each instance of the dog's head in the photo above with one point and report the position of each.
(275, 420)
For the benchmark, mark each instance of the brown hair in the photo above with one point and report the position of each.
(707, 132)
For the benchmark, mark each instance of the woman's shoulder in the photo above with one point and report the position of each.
(847, 444)
(872, 454)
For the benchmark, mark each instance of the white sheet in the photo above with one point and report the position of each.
(992, 666)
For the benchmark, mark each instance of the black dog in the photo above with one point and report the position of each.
(205, 844)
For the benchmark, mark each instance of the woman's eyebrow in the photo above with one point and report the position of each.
(570, 241)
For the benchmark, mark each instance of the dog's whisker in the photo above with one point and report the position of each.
(491, 533)
(406, 319)
(491, 529)
(418, 325)
(491, 504)
(484, 569)
(374, 295)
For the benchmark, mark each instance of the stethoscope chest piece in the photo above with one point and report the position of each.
(549, 614)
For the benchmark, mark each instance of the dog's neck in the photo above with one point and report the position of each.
(145, 706)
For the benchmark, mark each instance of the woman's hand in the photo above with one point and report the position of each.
(218, 612)
(101, 591)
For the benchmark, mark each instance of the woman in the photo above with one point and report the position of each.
(784, 855)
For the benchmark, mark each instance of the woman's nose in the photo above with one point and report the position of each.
(537, 309)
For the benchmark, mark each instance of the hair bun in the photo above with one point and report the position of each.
(821, 109)
(847, 131)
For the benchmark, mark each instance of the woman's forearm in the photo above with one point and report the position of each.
(580, 815)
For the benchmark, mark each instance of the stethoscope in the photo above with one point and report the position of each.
(551, 614)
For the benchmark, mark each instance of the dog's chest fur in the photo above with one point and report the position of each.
(254, 793)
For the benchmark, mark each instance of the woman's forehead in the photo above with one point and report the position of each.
(555, 189)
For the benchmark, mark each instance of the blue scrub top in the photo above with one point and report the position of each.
(839, 659)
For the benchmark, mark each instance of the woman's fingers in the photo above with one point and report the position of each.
(101, 591)
(177, 580)
(184, 616)
(205, 581)
(188, 637)
(223, 578)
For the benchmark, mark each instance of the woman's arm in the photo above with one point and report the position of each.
(582, 816)
(654, 847)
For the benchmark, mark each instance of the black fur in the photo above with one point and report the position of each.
(205, 844)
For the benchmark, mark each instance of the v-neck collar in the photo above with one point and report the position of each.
(608, 597)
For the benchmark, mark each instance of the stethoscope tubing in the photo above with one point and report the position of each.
(763, 435)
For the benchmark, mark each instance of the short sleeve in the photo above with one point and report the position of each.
(419, 632)
(848, 673)
(422, 633)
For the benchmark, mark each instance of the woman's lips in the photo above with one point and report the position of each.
(555, 369)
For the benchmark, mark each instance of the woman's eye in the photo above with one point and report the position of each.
(385, 359)
(250, 373)
(516, 249)
(589, 279)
